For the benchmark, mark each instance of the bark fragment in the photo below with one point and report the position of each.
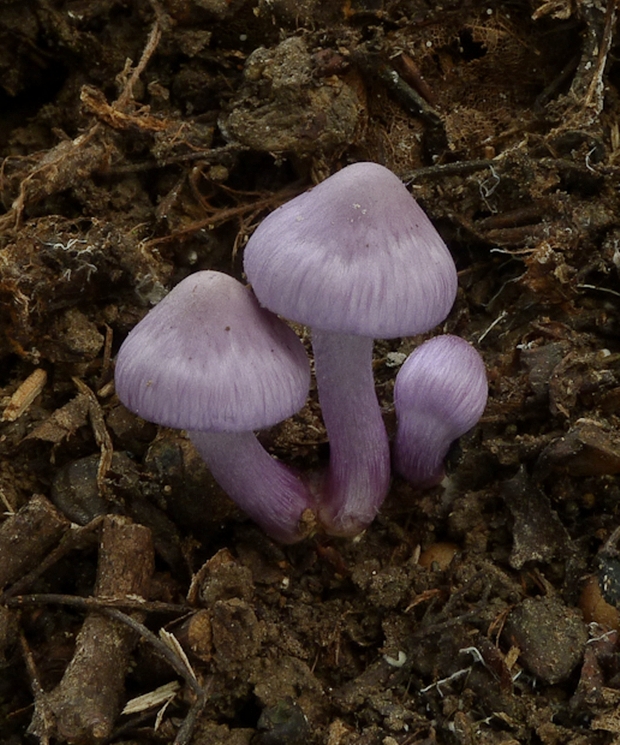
(27, 536)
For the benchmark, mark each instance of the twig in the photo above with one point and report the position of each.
(99, 604)
(208, 156)
(173, 659)
(55, 170)
(87, 701)
(27, 536)
(185, 731)
(446, 169)
(71, 539)
(151, 45)
(36, 687)
(102, 436)
(595, 93)
(110, 607)
(220, 216)
(608, 290)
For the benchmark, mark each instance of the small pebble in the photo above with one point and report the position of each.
(550, 635)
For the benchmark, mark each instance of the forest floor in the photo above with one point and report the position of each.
(143, 140)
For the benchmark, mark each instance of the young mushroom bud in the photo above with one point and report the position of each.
(354, 258)
(440, 393)
(210, 360)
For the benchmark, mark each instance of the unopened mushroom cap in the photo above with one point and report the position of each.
(443, 379)
(209, 358)
(355, 254)
(439, 394)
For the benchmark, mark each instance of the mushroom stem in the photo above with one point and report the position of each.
(272, 494)
(358, 476)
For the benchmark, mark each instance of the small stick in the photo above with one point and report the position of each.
(25, 395)
(72, 538)
(102, 436)
(127, 605)
(35, 686)
(87, 701)
(110, 607)
(27, 536)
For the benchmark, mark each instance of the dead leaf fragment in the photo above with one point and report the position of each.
(64, 422)
(538, 533)
(587, 450)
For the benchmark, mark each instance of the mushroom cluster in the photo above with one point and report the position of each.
(354, 259)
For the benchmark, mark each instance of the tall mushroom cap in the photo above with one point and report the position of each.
(209, 358)
(355, 254)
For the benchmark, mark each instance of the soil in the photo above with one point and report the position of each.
(145, 140)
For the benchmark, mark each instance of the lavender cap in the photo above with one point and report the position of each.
(209, 358)
(440, 393)
(355, 254)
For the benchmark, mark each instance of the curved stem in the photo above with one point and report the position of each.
(419, 449)
(358, 476)
(272, 494)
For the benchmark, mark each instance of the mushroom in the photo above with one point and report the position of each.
(210, 360)
(440, 393)
(353, 258)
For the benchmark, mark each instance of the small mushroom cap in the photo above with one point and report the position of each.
(355, 254)
(209, 358)
(439, 394)
(443, 379)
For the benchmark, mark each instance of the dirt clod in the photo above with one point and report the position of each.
(551, 640)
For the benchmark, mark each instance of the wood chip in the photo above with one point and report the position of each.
(25, 395)
(159, 696)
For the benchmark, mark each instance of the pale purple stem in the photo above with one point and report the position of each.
(419, 450)
(272, 494)
(358, 475)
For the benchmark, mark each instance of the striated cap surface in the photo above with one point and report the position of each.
(209, 358)
(439, 394)
(355, 254)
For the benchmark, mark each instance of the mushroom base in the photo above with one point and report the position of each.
(269, 492)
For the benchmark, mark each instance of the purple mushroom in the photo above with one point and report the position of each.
(353, 258)
(440, 393)
(210, 360)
